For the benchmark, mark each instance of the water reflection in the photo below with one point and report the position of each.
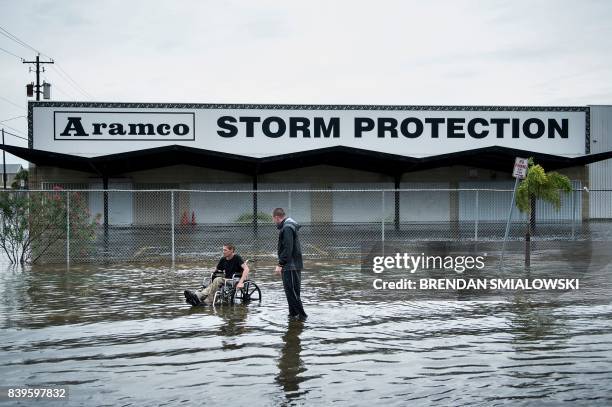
(233, 319)
(532, 321)
(290, 364)
(123, 335)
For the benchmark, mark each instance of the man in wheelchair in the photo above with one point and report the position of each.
(230, 265)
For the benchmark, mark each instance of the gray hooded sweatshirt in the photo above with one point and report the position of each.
(289, 249)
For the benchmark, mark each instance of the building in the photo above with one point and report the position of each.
(11, 172)
(225, 147)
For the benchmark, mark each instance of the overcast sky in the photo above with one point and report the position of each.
(542, 53)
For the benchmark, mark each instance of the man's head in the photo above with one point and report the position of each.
(228, 250)
(278, 215)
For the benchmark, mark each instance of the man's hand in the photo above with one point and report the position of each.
(278, 270)
(240, 284)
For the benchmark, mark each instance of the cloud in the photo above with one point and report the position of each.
(392, 52)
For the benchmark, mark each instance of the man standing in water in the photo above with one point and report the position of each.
(290, 263)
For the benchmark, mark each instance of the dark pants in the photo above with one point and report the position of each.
(292, 281)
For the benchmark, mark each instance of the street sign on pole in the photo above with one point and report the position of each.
(520, 167)
(519, 172)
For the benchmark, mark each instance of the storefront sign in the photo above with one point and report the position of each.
(90, 129)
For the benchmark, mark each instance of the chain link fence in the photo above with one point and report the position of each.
(56, 226)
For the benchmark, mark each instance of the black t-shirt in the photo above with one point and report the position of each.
(231, 266)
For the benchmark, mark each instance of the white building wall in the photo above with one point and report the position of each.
(424, 206)
(221, 207)
(362, 206)
(229, 207)
(296, 204)
(600, 174)
(120, 204)
(493, 205)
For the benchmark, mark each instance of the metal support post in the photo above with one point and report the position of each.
(382, 220)
(398, 179)
(68, 228)
(172, 225)
(105, 202)
(3, 162)
(476, 219)
(574, 213)
(501, 260)
(255, 210)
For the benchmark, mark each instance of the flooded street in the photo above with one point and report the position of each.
(122, 335)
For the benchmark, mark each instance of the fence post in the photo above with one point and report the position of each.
(172, 223)
(573, 214)
(382, 221)
(105, 202)
(289, 203)
(398, 179)
(255, 209)
(2, 214)
(67, 228)
(476, 219)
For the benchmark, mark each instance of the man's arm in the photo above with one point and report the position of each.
(245, 274)
(287, 247)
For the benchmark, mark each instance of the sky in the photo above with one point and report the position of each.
(462, 52)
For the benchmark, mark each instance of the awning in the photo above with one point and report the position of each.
(493, 158)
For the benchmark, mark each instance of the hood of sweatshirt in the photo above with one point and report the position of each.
(288, 222)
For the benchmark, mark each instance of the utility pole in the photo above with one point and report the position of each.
(38, 62)
(3, 161)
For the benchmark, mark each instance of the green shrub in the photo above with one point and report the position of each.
(248, 217)
(33, 222)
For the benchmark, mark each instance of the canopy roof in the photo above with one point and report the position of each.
(493, 158)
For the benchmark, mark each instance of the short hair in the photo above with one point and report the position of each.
(230, 246)
(278, 212)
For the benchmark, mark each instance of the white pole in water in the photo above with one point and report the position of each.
(382, 211)
(68, 228)
(501, 260)
(172, 223)
(574, 213)
(476, 222)
(521, 166)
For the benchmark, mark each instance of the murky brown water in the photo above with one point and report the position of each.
(122, 335)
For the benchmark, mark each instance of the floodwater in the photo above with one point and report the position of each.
(122, 335)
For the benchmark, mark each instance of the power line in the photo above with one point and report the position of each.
(71, 81)
(57, 88)
(13, 37)
(12, 118)
(12, 103)
(61, 75)
(14, 135)
(14, 129)
(18, 41)
(60, 70)
(10, 53)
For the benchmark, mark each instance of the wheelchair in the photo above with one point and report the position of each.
(229, 294)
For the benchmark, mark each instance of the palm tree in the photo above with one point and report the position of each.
(539, 185)
(22, 175)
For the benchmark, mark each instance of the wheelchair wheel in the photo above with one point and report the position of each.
(250, 292)
(217, 298)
